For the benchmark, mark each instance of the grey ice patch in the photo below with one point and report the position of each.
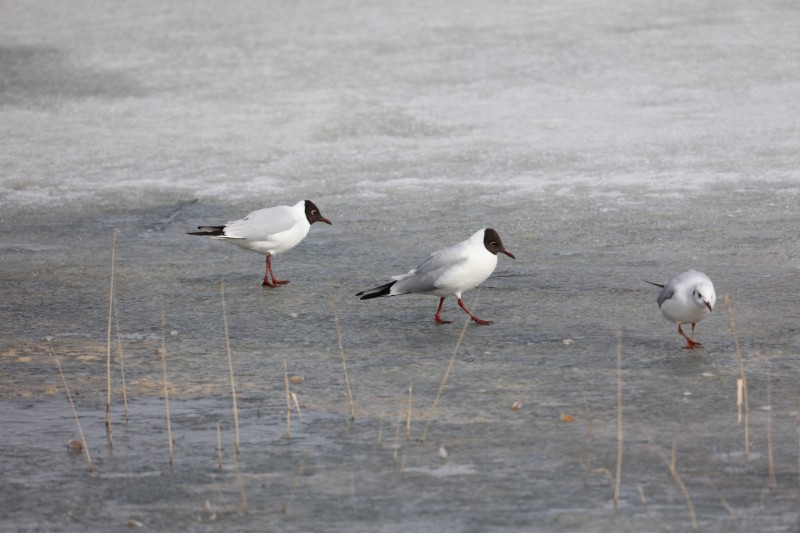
(36, 76)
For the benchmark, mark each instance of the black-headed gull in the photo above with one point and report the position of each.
(449, 272)
(687, 299)
(269, 232)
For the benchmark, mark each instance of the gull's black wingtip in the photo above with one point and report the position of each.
(209, 231)
(383, 290)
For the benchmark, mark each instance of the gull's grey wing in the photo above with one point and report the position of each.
(423, 278)
(666, 291)
(260, 225)
(665, 294)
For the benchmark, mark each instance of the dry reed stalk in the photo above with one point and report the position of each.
(75, 414)
(230, 364)
(724, 501)
(222, 497)
(108, 336)
(642, 496)
(739, 399)
(166, 390)
(295, 482)
(379, 441)
(296, 403)
(240, 482)
(679, 480)
(398, 460)
(674, 454)
(408, 410)
(121, 363)
(588, 466)
(344, 362)
(773, 483)
(288, 402)
(742, 383)
(219, 447)
(618, 476)
(447, 372)
(218, 492)
(606, 472)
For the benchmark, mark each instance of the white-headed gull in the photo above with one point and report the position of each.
(269, 232)
(687, 299)
(449, 272)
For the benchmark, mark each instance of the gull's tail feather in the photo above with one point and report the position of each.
(656, 284)
(209, 231)
(383, 290)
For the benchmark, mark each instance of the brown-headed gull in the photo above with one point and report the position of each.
(269, 232)
(449, 272)
(687, 299)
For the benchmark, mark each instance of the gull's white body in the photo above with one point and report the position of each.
(687, 299)
(269, 231)
(679, 301)
(451, 271)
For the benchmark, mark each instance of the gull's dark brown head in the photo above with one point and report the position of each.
(313, 214)
(493, 243)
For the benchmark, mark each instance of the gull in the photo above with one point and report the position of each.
(269, 231)
(449, 272)
(687, 299)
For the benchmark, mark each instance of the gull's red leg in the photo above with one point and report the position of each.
(473, 317)
(275, 281)
(437, 318)
(267, 282)
(690, 344)
(695, 342)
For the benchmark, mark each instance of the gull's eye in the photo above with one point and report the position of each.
(313, 211)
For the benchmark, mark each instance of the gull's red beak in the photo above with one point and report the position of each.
(509, 254)
(708, 304)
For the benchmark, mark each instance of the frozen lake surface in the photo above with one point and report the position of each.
(608, 143)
